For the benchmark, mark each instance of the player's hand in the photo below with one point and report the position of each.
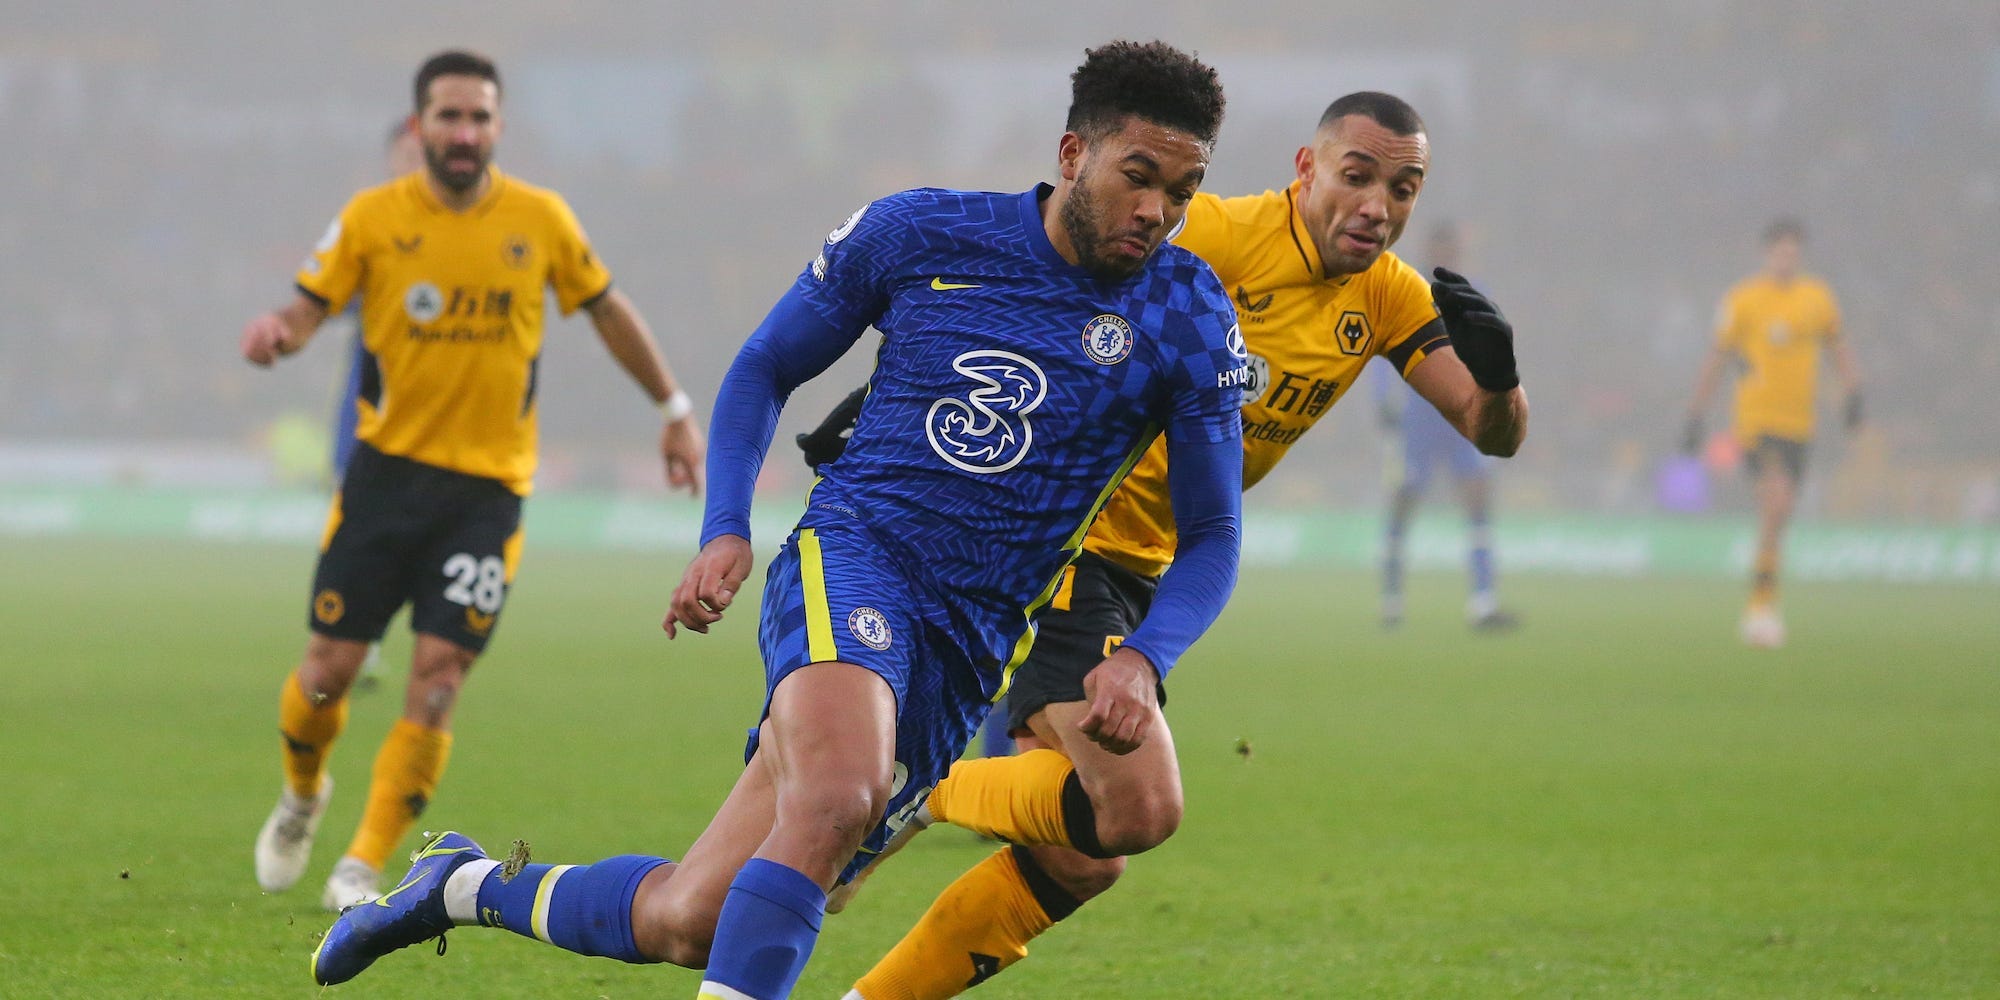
(828, 441)
(684, 448)
(709, 585)
(1123, 693)
(1850, 414)
(266, 338)
(1693, 433)
(1482, 337)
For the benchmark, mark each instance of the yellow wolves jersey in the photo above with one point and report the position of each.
(451, 316)
(1309, 338)
(1777, 330)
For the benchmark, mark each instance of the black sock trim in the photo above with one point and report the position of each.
(1080, 819)
(1054, 899)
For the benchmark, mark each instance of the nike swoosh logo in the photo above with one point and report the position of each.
(941, 285)
(383, 900)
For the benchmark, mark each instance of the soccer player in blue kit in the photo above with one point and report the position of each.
(1034, 345)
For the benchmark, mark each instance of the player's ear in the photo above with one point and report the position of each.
(1304, 162)
(1069, 155)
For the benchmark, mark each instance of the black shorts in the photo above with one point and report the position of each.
(1096, 606)
(403, 531)
(1770, 451)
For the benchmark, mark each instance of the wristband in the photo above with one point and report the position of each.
(677, 406)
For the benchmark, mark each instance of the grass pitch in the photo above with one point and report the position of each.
(1616, 801)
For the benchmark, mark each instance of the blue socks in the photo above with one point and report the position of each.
(1482, 557)
(586, 909)
(769, 924)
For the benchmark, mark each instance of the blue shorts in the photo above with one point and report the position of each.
(833, 594)
(1429, 440)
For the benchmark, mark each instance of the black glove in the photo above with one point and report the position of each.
(1692, 436)
(1851, 416)
(1482, 337)
(826, 442)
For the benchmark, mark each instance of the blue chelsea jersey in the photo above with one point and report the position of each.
(1013, 390)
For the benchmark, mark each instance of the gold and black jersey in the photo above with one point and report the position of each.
(451, 316)
(1309, 338)
(1777, 330)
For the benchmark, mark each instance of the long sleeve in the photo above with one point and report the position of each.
(793, 344)
(1205, 479)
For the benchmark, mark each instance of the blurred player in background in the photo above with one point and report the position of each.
(1772, 328)
(1317, 294)
(1033, 346)
(451, 264)
(1423, 440)
(405, 155)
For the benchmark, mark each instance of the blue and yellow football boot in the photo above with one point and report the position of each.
(410, 913)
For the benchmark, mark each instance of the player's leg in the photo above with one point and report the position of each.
(830, 742)
(1777, 465)
(461, 578)
(633, 908)
(1475, 487)
(984, 921)
(357, 586)
(1413, 477)
(408, 766)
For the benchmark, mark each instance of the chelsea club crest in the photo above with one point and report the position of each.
(869, 626)
(1107, 339)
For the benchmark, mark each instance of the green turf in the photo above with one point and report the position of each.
(1617, 801)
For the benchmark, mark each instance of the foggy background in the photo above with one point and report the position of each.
(166, 167)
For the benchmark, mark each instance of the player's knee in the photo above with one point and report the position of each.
(330, 666)
(436, 677)
(845, 806)
(1139, 824)
(1079, 874)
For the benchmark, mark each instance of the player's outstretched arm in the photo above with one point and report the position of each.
(631, 344)
(1695, 428)
(272, 335)
(1476, 384)
(1849, 371)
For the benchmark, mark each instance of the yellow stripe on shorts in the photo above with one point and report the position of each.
(819, 620)
(539, 920)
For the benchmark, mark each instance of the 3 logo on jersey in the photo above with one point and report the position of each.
(987, 431)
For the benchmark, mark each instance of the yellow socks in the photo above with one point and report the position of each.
(407, 770)
(980, 924)
(309, 730)
(1029, 798)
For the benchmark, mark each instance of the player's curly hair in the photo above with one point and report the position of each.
(1149, 80)
(453, 62)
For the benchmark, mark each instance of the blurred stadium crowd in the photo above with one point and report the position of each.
(1611, 163)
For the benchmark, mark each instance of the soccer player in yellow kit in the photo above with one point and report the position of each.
(1773, 326)
(451, 264)
(1317, 295)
